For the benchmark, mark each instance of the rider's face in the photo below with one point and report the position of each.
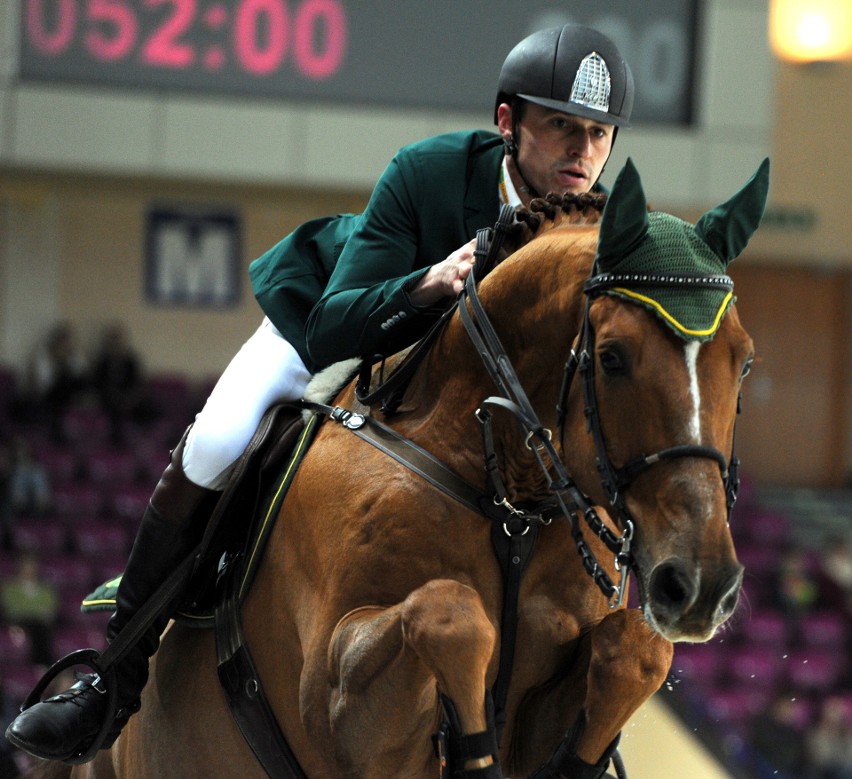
(558, 152)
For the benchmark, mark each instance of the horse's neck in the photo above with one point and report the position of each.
(534, 301)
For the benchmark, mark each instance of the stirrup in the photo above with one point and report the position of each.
(90, 658)
(453, 749)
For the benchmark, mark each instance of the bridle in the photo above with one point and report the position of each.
(615, 480)
(565, 499)
(568, 497)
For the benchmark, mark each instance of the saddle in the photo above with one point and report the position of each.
(255, 491)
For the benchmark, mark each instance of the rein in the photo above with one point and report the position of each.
(569, 499)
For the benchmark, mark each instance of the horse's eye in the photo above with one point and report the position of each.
(746, 368)
(612, 363)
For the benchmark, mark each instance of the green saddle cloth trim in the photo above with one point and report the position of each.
(102, 598)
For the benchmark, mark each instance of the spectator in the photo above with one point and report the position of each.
(828, 744)
(118, 381)
(58, 376)
(33, 604)
(797, 587)
(837, 574)
(779, 737)
(29, 484)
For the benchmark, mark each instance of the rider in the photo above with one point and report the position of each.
(562, 94)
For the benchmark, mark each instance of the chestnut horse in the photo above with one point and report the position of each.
(377, 617)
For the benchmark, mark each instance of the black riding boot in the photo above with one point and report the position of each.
(63, 727)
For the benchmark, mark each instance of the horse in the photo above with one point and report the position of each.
(377, 618)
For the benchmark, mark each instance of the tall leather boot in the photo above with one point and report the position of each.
(63, 727)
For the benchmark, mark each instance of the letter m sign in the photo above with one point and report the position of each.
(192, 258)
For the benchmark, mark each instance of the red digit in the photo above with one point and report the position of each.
(253, 55)
(312, 62)
(51, 41)
(164, 47)
(114, 35)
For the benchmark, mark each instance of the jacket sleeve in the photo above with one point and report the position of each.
(365, 309)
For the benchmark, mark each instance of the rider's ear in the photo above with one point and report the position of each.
(624, 222)
(727, 228)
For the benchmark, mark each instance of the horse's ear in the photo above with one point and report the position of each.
(728, 228)
(625, 218)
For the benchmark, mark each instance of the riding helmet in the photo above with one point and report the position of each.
(574, 69)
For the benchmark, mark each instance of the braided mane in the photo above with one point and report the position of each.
(547, 213)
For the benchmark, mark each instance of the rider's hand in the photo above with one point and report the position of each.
(445, 278)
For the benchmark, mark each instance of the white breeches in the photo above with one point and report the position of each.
(266, 370)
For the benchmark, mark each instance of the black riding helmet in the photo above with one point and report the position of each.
(574, 69)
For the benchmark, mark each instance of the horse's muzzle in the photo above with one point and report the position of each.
(685, 605)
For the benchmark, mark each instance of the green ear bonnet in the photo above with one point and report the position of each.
(675, 269)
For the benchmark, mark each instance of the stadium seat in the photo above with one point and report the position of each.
(41, 535)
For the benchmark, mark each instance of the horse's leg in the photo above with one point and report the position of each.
(384, 666)
(627, 663)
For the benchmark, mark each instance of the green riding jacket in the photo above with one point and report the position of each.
(336, 287)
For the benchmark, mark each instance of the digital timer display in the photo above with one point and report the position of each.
(444, 54)
(259, 38)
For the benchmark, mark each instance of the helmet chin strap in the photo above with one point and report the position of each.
(511, 147)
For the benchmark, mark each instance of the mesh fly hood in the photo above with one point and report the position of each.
(666, 252)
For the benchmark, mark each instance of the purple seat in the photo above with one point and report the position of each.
(766, 627)
(61, 463)
(754, 667)
(14, 645)
(759, 560)
(86, 426)
(41, 535)
(19, 679)
(824, 628)
(128, 502)
(68, 573)
(111, 466)
(97, 538)
(767, 528)
(815, 670)
(109, 566)
(70, 638)
(172, 394)
(78, 500)
(735, 706)
(697, 663)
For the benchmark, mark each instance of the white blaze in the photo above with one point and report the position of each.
(691, 350)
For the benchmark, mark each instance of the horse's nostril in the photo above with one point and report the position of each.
(672, 588)
(728, 604)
